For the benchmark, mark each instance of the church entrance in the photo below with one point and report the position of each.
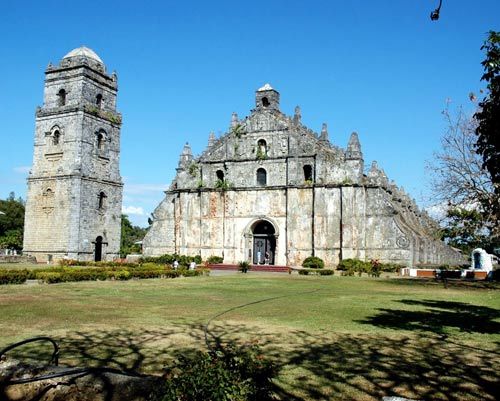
(264, 243)
(98, 249)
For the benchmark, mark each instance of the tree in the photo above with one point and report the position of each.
(488, 116)
(11, 222)
(130, 235)
(464, 187)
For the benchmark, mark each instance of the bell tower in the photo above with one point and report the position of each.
(267, 98)
(73, 206)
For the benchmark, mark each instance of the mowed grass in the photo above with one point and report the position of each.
(339, 338)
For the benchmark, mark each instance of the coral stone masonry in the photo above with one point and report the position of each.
(73, 207)
(269, 191)
(272, 191)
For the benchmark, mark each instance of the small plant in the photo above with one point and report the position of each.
(375, 268)
(313, 262)
(193, 169)
(260, 154)
(238, 131)
(309, 183)
(222, 184)
(200, 184)
(243, 266)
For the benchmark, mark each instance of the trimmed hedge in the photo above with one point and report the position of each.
(319, 272)
(60, 274)
(13, 276)
(351, 266)
(313, 262)
(215, 259)
(169, 259)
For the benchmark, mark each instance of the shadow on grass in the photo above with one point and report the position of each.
(438, 317)
(450, 283)
(323, 366)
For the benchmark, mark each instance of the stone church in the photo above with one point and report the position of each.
(73, 206)
(273, 191)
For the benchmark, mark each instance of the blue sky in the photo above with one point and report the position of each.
(380, 68)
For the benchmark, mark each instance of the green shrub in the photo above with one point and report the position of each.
(326, 272)
(320, 272)
(243, 266)
(215, 259)
(228, 374)
(313, 262)
(13, 276)
(351, 266)
(169, 259)
(391, 267)
(49, 277)
(119, 274)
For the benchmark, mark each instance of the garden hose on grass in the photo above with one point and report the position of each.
(206, 331)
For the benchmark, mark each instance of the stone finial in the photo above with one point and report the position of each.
(324, 133)
(377, 176)
(354, 147)
(186, 156)
(211, 139)
(297, 116)
(234, 120)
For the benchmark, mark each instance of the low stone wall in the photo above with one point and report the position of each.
(96, 385)
(17, 259)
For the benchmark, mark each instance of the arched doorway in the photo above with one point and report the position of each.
(264, 243)
(98, 249)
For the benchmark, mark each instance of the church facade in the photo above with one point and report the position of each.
(272, 191)
(73, 206)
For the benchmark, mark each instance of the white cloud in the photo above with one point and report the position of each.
(137, 210)
(22, 169)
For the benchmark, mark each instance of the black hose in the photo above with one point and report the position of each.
(206, 331)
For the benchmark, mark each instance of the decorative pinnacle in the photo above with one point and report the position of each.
(324, 133)
(211, 138)
(234, 120)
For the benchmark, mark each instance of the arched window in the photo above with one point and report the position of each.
(48, 198)
(261, 149)
(56, 136)
(102, 201)
(62, 97)
(265, 102)
(308, 173)
(101, 140)
(261, 177)
(98, 100)
(220, 175)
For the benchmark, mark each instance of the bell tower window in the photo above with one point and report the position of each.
(261, 177)
(308, 173)
(102, 201)
(101, 141)
(62, 97)
(98, 100)
(265, 102)
(56, 136)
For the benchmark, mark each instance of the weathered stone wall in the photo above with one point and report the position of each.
(76, 159)
(315, 195)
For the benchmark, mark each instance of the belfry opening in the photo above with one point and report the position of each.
(264, 243)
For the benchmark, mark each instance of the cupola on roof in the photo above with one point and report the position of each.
(266, 87)
(84, 52)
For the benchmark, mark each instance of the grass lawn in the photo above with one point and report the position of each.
(339, 338)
